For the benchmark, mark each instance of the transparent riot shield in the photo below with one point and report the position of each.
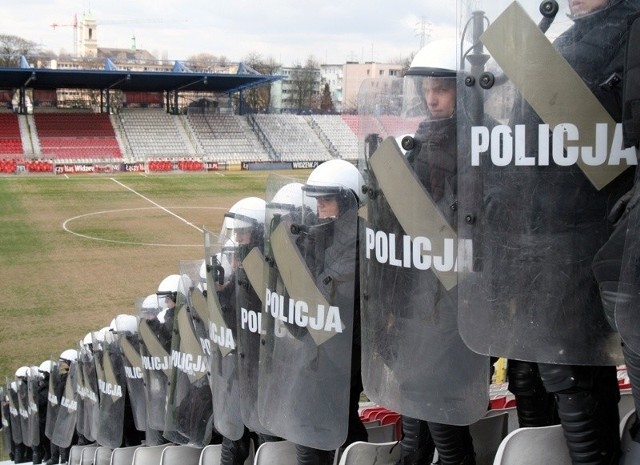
(16, 427)
(155, 347)
(6, 415)
(33, 384)
(53, 402)
(189, 405)
(307, 324)
(81, 418)
(67, 413)
(414, 360)
(540, 164)
(220, 300)
(132, 364)
(112, 394)
(628, 291)
(88, 394)
(283, 197)
(23, 410)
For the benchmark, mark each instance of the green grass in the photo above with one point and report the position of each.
(57, 286)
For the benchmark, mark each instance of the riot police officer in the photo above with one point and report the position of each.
(335, 187)
(615, 263)
(42, 452)
(534, 224)
(411, 306)
(242, 232)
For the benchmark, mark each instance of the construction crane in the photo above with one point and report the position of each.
(74, 25)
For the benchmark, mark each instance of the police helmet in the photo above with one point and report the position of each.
(168, 289)
(335, 177)
(22, 372)
(45, 367)
(246, 214)
(125, 324)
(440, 59)
(69, 355)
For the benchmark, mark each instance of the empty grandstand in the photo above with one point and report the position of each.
(163, 136)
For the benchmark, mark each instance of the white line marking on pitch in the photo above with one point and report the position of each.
(158, 205)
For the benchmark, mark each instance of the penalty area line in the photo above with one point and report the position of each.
(166, 210)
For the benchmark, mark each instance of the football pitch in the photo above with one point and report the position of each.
(75, 251)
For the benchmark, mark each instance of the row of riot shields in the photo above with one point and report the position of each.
(473, 237)
(480, 228)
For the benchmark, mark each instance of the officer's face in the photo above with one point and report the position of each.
(243, 236)
(327, 206)
(440, 96)
(583, 7)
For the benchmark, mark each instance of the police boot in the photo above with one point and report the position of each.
(37, 456)
(534, 405)
(235, 452)
(453, 443)
(590, 439)
(64, 454)
(309, 456)
(416, 444)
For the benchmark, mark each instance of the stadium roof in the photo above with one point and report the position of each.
(181, 78)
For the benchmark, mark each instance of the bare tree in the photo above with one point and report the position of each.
(259, 99)
(305, 86)
(11, 47)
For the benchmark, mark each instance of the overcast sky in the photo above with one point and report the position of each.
(286, 30)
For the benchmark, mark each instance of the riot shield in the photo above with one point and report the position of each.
(249, 272)
(155, 346)
(88, 394)
(16, 427)
(53, 403)
(413, 358)
(220, 301)
(132, 364)
(307, 325)
(6, 415)
(67, 412)
(33, 383)
(540, 164)
(189, 406)
(112, 394)
(628, 291)
(23, 410)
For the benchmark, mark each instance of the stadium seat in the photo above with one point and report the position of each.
(211, 455)
(88, 455)
(75, 453)
(382, 433)
(487, 434)
(626, 403)
(534, 446)
(148, 455)
(102, 456)
(123, 455)
(276, 453)
(366, 453)
(180, 455)
(626, 422)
